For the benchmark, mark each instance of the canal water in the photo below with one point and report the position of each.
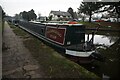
(108, 44)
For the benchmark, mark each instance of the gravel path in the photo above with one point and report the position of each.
(17, 61)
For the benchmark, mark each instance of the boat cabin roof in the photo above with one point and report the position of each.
(65, 24)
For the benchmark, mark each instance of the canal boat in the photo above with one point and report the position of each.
(69, 37)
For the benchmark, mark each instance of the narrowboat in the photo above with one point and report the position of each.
(67, 36)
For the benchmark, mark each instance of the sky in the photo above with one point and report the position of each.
(11, 7)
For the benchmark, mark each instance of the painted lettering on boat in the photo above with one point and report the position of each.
(56, 34)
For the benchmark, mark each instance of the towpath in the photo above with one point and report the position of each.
(17, 61)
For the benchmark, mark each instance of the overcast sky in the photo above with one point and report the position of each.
(11, 7)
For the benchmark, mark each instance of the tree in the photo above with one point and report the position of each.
(3, 14)
(39, 15)
(89, 8)
(30, 15)
(25, 15)
(16, 16)
(70, 10)
(50, 17)
(75, 15)
(47, 19)
(113, 8)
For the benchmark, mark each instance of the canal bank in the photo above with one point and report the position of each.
(17, 61)
(52, 64)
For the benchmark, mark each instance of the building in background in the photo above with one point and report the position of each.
(59, 16)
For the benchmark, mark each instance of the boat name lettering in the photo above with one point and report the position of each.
(54, 37)
(54, 31)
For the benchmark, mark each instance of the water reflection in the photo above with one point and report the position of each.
(103, 40)
(110, 68)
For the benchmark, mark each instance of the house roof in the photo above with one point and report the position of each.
(61, 13)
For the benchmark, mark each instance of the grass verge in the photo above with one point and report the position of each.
(52, 63)
(104, 25)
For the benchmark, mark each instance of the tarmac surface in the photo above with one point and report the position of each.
(17, 61)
